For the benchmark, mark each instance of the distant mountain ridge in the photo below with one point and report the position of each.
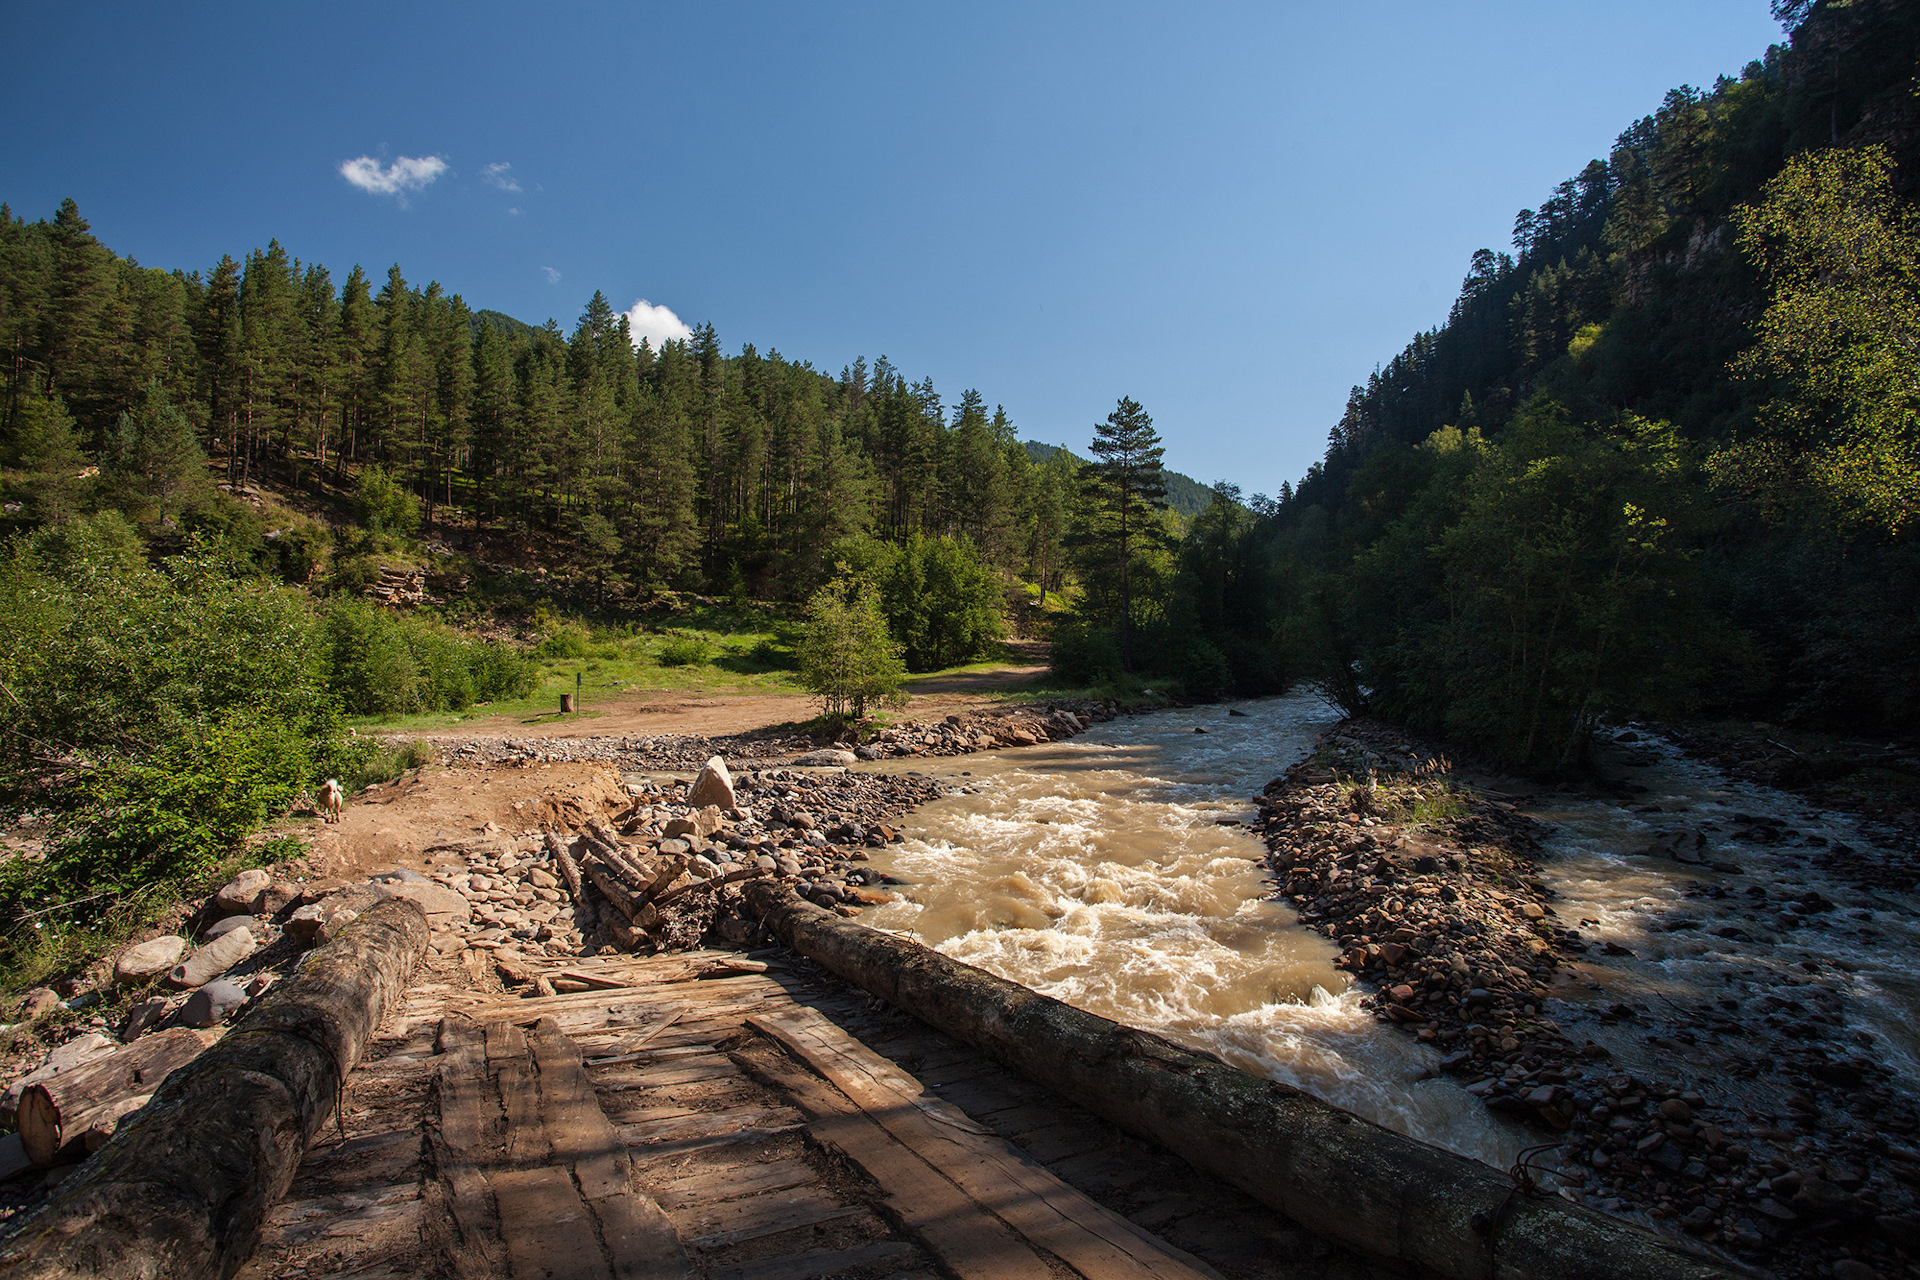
(1184, 494)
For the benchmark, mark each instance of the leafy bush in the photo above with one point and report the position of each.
(683, 651)
(846, 655)
(383, 503)
(940, 599)
(1085, 656)
(385, 663)
(563, 640)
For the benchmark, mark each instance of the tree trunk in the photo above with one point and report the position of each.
(1369, 1188)
(54, 1113)
(182, 1189)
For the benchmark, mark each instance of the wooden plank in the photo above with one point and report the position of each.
(548, 1231)
(727, 1182)
(713, 1226)
(881, 1255)
(1086, 1235)
(703, 1124)
(970, 1242)
(527, 1144)
(640, 1241)
(468, 1113)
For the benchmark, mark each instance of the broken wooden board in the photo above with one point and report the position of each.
(520, 1123)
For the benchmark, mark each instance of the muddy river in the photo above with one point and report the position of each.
(1111, 871)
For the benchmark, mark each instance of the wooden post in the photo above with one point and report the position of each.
(566, 704)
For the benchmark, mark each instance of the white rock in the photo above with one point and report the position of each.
(713, 786)
(144, 961)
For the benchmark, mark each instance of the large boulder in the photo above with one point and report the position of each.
(243, 895)
(713, 787)
(145, 961)
(318, 922)
(701, 822)
(215, 958)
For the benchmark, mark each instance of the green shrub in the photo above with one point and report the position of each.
(683, 651)
(384, 663)
(563, 640)
(1085, 656)
(383, 503)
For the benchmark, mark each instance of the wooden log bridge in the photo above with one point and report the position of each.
(705, 1114)
(1383, 1194)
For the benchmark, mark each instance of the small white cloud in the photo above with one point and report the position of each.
(500, 174)
(403, 175)
(513, 212)
(656, 324)
(553, 277)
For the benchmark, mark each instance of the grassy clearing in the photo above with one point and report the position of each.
(738, 652)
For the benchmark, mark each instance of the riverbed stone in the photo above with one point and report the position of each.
(210, 961)
(145, 961)
(713, 786)
(241, 896)
(212, 1004)
(826, 758)
(228, 924)
(443, 906)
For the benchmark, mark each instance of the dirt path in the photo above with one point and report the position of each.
(646, 714)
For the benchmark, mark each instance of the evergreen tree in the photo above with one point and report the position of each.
(1125, 489)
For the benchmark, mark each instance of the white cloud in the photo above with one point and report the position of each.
(500, 174)
(553, 277)
(403, 175)
(513, 212)
(656, 324)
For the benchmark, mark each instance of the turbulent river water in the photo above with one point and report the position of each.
(1099, 871)
(1111, 872)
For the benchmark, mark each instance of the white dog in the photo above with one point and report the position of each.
(330, 799)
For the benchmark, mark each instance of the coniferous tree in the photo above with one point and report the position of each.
(1125, 489)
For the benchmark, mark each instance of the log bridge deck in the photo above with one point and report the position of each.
(747, 1126)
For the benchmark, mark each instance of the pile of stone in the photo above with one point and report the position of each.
(985, 730)
(955, 735)
(666, 868)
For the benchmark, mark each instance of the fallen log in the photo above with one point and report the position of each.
(614, 890)
(53, 1113)
(1353, 1181)
(183, 1187)
(584, 912)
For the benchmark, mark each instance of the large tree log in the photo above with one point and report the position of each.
(1353, 1181)
(54, 1112)
(183, 1187)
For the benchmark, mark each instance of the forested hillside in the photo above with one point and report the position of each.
(1186, 496)
(1663, 457)
(634, 468)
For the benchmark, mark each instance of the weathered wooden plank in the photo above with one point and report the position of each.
(969, 1241)
(728, 1181)
(880, 1255)
(710, 1226)
(547, 1227)
(469, 1112)
(700, 1124)
(1086, 1235)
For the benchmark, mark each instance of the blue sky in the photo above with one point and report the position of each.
(1231, 213)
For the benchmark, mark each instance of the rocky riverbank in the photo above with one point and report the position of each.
(1012, 726)
(1436, 897)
